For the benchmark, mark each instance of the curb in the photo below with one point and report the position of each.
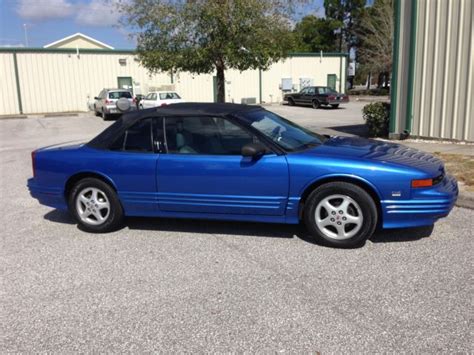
(61, 115)
(13, 117)
(465, 200)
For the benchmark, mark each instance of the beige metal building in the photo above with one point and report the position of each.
(42, 80)
(433, 75)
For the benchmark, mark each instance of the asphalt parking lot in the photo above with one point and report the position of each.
(181, 285)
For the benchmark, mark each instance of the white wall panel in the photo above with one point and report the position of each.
(8, 89)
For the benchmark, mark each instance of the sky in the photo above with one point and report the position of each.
(47, 21)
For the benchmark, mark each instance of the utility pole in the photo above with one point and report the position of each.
(26, 34)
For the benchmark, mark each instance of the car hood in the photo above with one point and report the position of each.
(380, 151)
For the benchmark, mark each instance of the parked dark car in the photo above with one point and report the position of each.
(316, 96)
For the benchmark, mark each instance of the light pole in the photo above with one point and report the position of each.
(26, 34)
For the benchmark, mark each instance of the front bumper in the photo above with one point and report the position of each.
(424, 208)
(47, 195)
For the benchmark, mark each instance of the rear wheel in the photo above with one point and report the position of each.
(95, 206)
(316, 104)
(340, 215)
(291, 102)
(105, 116)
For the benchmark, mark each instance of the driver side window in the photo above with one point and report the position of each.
(205, 135)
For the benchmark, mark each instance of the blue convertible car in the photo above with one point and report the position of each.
(235, 162)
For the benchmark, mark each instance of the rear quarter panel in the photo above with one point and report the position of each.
(133, 175)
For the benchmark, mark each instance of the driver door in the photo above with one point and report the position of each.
(203, 170)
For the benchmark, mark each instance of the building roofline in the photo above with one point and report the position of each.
(133, 51)
(78, 34)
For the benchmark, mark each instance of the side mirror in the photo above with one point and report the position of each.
(253, 150)
(96, 98)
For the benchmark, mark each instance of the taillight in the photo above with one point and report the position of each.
(332, 97)
(33, 162)
(422, 183)
(107, 102)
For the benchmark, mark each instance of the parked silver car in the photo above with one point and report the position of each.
(113, 102)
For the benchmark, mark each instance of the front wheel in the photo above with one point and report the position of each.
(291, 102)
(340, 215)
(95, 206)
(316, 104)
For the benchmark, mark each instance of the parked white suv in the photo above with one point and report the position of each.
(160, 98)
(113, 102)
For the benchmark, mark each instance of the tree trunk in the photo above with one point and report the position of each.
(220, 83)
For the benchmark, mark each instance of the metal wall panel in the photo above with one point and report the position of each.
(8, 88)
(443, 75)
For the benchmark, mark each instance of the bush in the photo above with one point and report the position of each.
(377, 117)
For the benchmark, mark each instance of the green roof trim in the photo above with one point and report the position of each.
(66, 50)
(318, 54)
(133, 51)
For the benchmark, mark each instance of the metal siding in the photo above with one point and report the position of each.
(8, 91)
(443, 81)
(60, 82)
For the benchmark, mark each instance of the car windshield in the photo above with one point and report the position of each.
(169, 96)
(284, 133)
(120, 94)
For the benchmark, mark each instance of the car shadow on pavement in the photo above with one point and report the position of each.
(360, 130)
(201, 226)
(401, 235)
(59, 216)
(248, 229)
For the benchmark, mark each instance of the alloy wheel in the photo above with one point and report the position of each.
(93, 206)
(339, 217)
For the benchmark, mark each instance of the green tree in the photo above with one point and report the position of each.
(206, 36)
(347, 13)
(313, 34)
(376, 38)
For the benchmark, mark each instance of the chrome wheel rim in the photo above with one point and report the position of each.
(339, 217)
(92, 206)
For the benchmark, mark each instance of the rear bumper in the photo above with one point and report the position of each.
(47, 195)
(425, 207)
(337, 102)
(115, 111)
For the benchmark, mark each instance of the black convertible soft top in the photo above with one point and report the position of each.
(104, 139)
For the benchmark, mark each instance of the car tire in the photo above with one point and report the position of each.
(95, 206)
(291, 102)
(316, 104)
(335, 106)
(105, 116)
(340, 215)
